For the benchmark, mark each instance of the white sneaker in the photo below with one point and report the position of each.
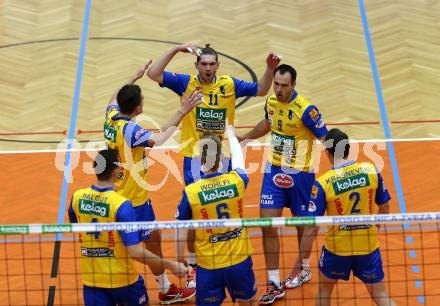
(294, 282)
(191, 277)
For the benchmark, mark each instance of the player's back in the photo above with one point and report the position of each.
(104, 258)
(219, 196)
(123, 135)
(350, 190)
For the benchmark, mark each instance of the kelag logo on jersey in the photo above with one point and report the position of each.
(109, 133)
(350, 183)
(218, 194)
(211, 114)
(88, 207)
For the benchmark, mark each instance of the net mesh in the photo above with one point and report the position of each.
(40, 263)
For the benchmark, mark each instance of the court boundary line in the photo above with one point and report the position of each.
(263, 144)
(387, 132)
(68, 160)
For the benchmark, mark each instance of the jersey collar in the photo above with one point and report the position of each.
(123, 118)
(348, 163)
(200, 80)
(294, 95)
(211, 175)
(96, 188)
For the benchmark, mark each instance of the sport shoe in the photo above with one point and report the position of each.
(294, 282)
(176, 295)
(191, 277)
(272, 293)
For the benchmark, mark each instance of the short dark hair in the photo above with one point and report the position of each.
(105, 163)
(337, 143)
(207, 51)
(207, 154)
(129, 97)
(283, 68)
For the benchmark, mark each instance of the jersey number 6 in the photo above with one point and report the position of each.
(222, 211)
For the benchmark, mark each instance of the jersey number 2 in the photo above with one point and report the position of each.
(356, 197)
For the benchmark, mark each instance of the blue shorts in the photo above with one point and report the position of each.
(132, 295)
(144, 213)
(192, 169)
(239, 279)
(368, 268)
(280, 189)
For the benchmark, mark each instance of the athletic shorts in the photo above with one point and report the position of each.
(132, 295)
(368, 268)
(144, 213)
(192, 169)
(239, 279)
(290, 190)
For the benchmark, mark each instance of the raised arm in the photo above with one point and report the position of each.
(136, 76)
(265, 82)
(194, 99)
(237, 159)
(156, 71)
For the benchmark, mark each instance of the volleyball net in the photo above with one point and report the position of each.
(40, 263)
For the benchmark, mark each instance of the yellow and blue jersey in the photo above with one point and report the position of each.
(350, 189)
(130, 140)
(104, 259)
(218, 105)
(294, 127)
(217, 196)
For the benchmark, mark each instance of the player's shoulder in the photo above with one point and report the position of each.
(364, 167)
(134, 130)
(225, 80)
(80, 192)
(323, 179)
(193, 79)
(235, 173)
(302, 104)
(271, 100)
(368, 167)
(193, 187)
(111, 111)
(118, 198)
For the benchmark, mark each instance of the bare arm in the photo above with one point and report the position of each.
(265, 82)
(156, 71)
(261, 129)
(194, 99)
(237, 159)
(138, 253)
(136, 76)
(384, 208)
